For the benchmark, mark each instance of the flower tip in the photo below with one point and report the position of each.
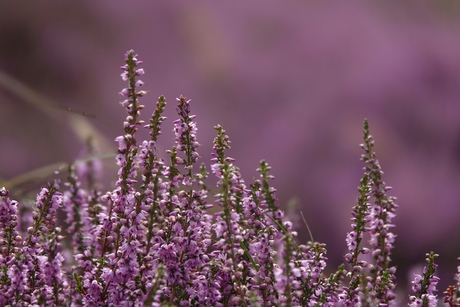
(128, 53)
(4, 192)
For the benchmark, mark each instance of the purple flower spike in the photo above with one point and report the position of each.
(424, 285)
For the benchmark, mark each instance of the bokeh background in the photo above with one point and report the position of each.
(290, 81)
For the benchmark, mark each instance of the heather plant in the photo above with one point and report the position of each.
(162, 237)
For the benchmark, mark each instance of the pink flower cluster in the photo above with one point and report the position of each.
(160, 239)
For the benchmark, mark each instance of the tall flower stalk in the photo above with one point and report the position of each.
(424, 286)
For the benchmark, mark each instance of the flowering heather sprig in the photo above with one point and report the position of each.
(51, 268)
(186, 233)
(227, 229)
(10, 242)
(379, 218)
(120, 228)
(263, 233)
(152, 190)
(185, 135)
(157, 119)
(353, 293)
(44, 216)
(46, 253)
(126, 213)
(309, 285)
(424, 285)
(127, 143)
(152, 167)
(37, 270)
(283, 234)
(359, 213)
(9, 236)
(82, 211)
(130, 74)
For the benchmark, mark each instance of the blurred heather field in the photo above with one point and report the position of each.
(290, 82)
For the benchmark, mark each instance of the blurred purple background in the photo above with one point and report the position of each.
(291, 82)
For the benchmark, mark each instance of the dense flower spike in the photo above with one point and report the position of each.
(379, 224)
(159, 238)
(35, 274)
(185, 131)
(424, 286)
(10, 241)
(353, 294)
